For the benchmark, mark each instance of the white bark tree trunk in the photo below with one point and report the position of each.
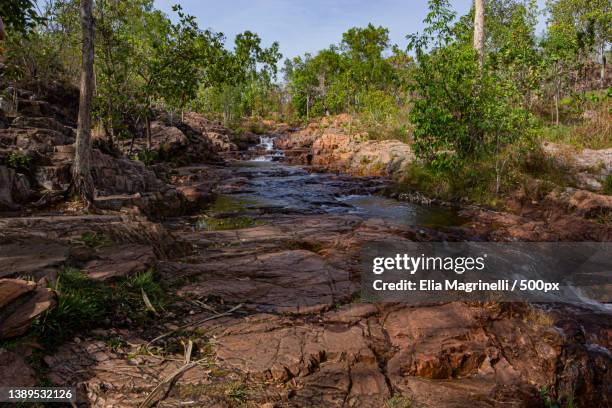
(82, 182)
(479, 30)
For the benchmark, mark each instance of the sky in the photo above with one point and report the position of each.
(307, 25)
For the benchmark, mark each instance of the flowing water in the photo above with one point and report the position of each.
(266, 187)
(271, 186)
(266, 148)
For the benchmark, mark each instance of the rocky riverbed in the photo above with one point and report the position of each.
(259, 261)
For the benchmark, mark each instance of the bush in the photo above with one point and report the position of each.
(147, 157)
(461, 110)
(18, 160)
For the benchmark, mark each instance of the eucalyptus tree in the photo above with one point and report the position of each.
(82, 182)
(479, 30)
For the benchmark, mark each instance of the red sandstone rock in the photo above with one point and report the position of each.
(15, 371)
(21, 302)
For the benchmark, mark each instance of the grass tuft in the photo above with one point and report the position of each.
(85, 303)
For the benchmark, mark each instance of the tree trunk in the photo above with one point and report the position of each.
(479, 31)
(602, 72)
(82, 182)
(2, 32)
(557, 109)
(110, 121)
(148, 125)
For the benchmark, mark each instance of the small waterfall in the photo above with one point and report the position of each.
(266, 143)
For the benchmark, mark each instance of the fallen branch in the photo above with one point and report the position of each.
(171, 379)
(153, 397)
(147, 302)
(194, 323)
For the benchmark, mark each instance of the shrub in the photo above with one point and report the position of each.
(461, 110)
(147, 156)
(18, 160)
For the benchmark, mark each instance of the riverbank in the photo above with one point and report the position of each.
(240, 280)
(548, 182)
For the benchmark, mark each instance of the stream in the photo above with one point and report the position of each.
(268, 186)
(264, 187)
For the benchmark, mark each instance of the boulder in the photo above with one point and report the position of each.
(583, 203)
(177, 142)
(33, 256)
(14, 189)
(121, 176)
(589, 167)
(222, 138)
(43, 123)
(438, 342)
(359, 156)
(328, 145)
(197, 195)
(36, 140)
(22, 301)
(119, 261)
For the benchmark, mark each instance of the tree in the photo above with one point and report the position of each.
(19, 15)
(82, 182)
(461, 110)
(239, 82)
(479, 30)
(585, 24)
(170, 60)
(117, 21)
(343, 77)
(2, 32)
(512, 46)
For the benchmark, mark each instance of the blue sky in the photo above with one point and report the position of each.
(307, 26)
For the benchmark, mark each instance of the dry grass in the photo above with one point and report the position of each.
(594, 131)
(538, 317)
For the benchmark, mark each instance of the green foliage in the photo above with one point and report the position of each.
(145, 281)
(243, 81)
(550, 402)
(487, 178)
(147, 156)
(461, 110)
(93, 239)
(18, 160)
(226, 204)
(607, 185)
(229, 223)
(82, 304)
(338, 78)
(19, 15)
(588, 120)
(237, 392)
(399, 402)
(85, 303)
(585, 25)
